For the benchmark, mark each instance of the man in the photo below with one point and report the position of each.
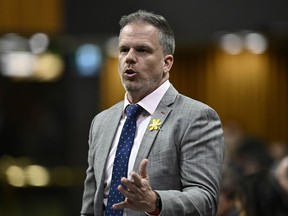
(176, 159)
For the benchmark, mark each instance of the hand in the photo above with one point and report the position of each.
(138, 193)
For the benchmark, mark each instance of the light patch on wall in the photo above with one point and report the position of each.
(88, 60)
(236, 43)
(255, 43)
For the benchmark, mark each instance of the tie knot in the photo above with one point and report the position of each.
(133, 110)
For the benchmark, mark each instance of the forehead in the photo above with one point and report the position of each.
(139, 31)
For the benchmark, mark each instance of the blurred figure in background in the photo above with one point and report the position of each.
(261, 185)
(265, 193)
(229, 199)
(278, 150)
(251, 156)
(281, 173)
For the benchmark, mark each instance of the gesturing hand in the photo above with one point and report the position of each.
(138, 193)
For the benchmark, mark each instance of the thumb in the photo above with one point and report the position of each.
(143, 168)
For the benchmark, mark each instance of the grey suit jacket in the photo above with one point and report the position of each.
(185, 157)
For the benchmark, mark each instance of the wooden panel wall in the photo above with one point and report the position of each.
(30, 16)
(246, 88)
(111, 87)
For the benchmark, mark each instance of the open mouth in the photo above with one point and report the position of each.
(130, 73)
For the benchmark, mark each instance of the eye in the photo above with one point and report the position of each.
(142, 50)
(124, 50)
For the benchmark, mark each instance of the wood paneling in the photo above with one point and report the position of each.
(246, 88)
(111, 87)
(29, 16)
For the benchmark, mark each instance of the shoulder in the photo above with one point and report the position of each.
(184, 105)
(111, 110)
(174, 99)
(193, 109)
(185, 102)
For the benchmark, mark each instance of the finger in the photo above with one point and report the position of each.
(143, 168)
(136, 179)
(120, 205)
(129, 195)
(123, 190)
(129, 187)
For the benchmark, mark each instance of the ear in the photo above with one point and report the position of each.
(168, 62)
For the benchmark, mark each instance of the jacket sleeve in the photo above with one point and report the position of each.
(201, 155)
(89, 184)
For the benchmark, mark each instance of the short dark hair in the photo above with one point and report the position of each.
(166, 36)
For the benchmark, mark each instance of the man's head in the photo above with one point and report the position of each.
(146, 46)
(166, 36)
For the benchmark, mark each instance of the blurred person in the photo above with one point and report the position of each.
(281, 173)
(278, 150)
(261, 185)
(229, 198)
(265, 194)
(251, 156)
(176, 159)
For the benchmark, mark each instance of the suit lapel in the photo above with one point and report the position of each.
(161, 113)
(104, 148)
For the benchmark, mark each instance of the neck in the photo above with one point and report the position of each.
(134, 98)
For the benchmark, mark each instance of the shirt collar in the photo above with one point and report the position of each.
(151, 101)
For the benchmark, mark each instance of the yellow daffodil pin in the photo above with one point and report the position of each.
(155, 125)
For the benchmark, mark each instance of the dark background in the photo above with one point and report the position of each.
(193, 21)
(49, 122)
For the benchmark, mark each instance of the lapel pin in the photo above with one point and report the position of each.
(155, 125)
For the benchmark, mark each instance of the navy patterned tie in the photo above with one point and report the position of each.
(121, 160)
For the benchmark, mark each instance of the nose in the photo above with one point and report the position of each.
(131, 57)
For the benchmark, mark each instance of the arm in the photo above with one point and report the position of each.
(89, 184)
(89, 192)
(201, 156)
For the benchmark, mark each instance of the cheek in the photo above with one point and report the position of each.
(154, 67)
(121, 64)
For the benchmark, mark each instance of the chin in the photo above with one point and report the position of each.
(130, 88)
